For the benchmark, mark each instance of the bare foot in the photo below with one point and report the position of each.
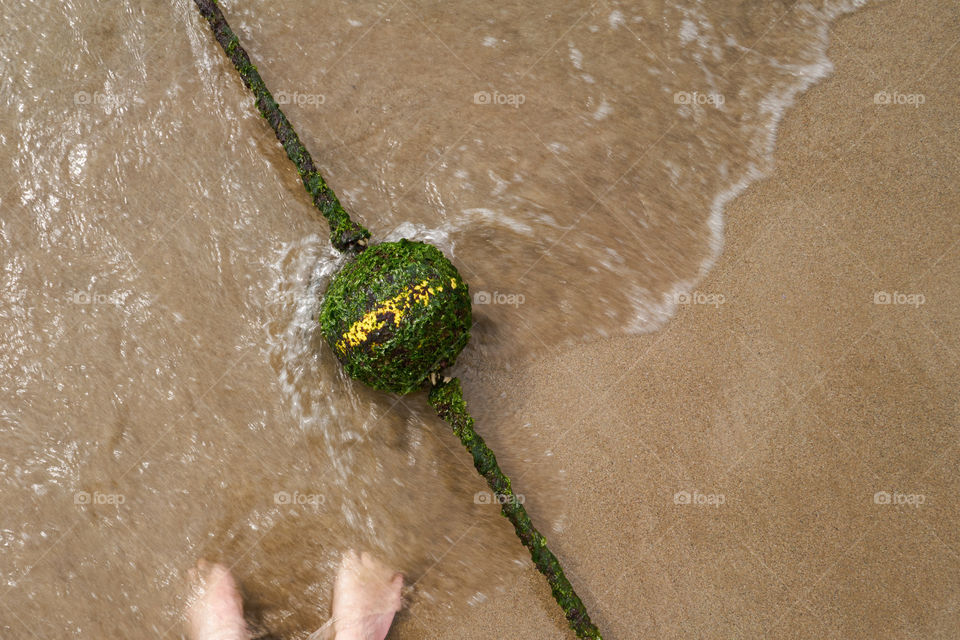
(216, 612)
(365, 597)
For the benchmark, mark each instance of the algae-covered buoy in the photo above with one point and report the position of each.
(399, 312)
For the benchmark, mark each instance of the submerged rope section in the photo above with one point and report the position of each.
(345, 234)
(447, 399)
(446, 395)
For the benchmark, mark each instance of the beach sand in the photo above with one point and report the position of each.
(797, 402)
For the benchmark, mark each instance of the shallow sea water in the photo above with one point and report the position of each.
(164, 390)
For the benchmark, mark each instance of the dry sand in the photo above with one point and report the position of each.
(796, 400)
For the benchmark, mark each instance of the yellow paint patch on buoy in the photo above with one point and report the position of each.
(396, 308)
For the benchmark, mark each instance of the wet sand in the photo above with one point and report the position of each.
(791, 412)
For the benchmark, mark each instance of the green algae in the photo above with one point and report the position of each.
(345, 234)
(447, 399)
(397, 313)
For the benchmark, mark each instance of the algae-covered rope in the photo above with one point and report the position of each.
(389, 302)
(345, 234)
(447, 399)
